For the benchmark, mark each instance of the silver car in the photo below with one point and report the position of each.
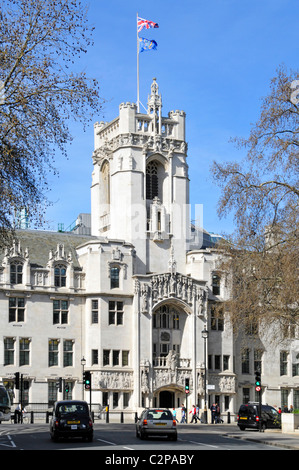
(156, 422)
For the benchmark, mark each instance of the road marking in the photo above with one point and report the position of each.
(12, 444)
(203, 444)
(107, 442)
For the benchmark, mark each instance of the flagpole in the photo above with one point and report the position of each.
(137, 65)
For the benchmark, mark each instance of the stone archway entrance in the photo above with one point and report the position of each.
(166, 399)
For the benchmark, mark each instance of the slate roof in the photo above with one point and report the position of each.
(39, 244)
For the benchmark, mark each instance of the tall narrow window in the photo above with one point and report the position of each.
(284, 363)
(152, 180)
(67, 353)
(106, 183)
(106, 357)
(216, 284)
(9, 351)
(24, 351)
(245, 361)
(114, 277)
(53, 352)
(94, 311)
(94, 356)
(115, 357)
(217, 318)
(258, 354)
(125, 358)
(60, 276)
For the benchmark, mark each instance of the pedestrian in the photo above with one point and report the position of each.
(174, 414)
(213, 412)
(197, 413)
(217, 415)
(183, 410)
(18, 413)
(194, 416)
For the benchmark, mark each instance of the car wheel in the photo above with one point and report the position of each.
(142, 435)
(173, 438)
(242, 428)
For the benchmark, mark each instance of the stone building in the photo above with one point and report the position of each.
(128, 293)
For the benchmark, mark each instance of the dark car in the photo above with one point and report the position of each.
(156, 422)
(71, 418)
(248, 417)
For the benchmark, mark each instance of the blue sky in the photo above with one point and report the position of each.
(214, 60)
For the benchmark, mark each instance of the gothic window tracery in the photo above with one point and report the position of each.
(16, 272)
(152, 180)
(60, 276)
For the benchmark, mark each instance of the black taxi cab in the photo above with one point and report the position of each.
(249, 417)
(71, 418)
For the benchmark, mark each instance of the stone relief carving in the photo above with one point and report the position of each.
(223, 383)
(113, 380)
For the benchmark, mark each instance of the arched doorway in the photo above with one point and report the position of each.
(166, 399)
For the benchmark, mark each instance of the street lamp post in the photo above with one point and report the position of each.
(83, 362)
(205, 335)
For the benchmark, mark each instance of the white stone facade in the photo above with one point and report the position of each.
(134, 295)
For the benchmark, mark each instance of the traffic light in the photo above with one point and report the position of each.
(258, 383)
(59, 384)
(87, 380)
(17, 380)
(66, 388)
(187, 390)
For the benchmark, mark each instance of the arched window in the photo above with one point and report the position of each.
(16, 272)
(106, 183)
(152, 180)
(60, 276)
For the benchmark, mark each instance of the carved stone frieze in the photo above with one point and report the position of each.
(110, 380)
(224, 383)
(140, 140)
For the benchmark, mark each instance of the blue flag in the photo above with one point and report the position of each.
(147, 45)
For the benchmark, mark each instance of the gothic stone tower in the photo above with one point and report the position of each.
(140, 185)
(140, 195)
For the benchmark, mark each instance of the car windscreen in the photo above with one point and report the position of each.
(247, 410)
(159, 415)
(271, 411)
(72, 408)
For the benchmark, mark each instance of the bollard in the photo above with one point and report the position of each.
(122, 417)
(31, 417)
(228, 417)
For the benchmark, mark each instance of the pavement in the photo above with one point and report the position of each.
(271, 437)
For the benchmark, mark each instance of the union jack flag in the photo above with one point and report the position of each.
(142, 23)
